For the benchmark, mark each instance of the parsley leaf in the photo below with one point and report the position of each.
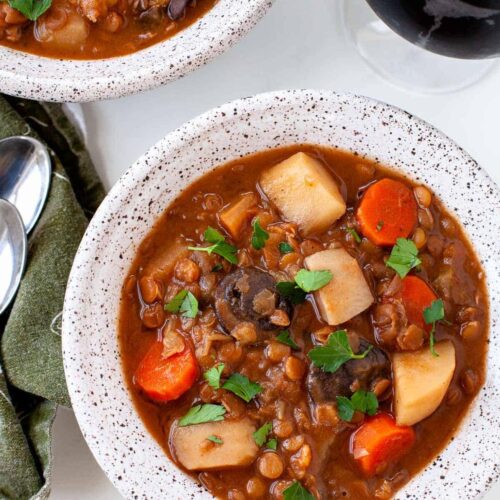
(285, 248)
(242, 387)
(259, 235)
(404, 257)
(310, 281)
(433, 314)
(212, 376)
(335, 353)
(291, 291)
(220, 246)
(32, 9)
(185, 303)
(260, 435)
(305, 282)
(284, 338)
(203, 413)
(363, 401)
(354, 234)
(297, 492)
(272, 444)
(215, 439)
(218, 267)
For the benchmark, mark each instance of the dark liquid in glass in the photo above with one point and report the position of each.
(468, 29)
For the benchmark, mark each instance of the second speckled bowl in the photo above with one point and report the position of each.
(130, 456)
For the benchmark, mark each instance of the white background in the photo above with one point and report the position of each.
(299, 44)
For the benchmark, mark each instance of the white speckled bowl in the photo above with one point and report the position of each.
(125, 450)
(44, 79)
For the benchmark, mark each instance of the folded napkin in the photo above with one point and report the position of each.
(32, 380)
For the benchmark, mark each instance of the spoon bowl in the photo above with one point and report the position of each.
(25, 171)
(13, 251)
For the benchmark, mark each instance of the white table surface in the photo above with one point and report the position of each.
(300, 44)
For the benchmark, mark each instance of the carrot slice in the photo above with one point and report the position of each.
(166, 379)
(417, 295)
(387, 211)
(378, 442)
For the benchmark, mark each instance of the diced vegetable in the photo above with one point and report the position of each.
(162, 263)
(421, 381)
(387, 211)
(238, 448)
(417, 296)
(236, 215)
(166, 379)
(379, 442)
(304, 192)
(348, 293)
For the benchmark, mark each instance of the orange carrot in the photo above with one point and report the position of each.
(417, 296)
(378, 442)
(166, 379)
(387, 211)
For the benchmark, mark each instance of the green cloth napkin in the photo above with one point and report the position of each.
(32, 380)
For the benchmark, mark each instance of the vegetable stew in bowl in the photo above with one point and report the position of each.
(94, 29)
(304, 323)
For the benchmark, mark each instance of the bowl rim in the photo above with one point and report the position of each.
(74, 357)
(41, 78)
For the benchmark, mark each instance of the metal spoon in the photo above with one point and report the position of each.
(25, 176)
(13, 251)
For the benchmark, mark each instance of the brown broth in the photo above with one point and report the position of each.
(335, 474)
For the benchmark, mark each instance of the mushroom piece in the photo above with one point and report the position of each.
(177, 8)
(249, 295)
(355, 374)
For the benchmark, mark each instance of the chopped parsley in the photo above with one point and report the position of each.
(32, 9)
(215, 439)
(354, 234)
(404, 257)
(260, 435)
(335, 353)
(305, 282)
(297, 492)
(272, 444)
(363, 401)
(259, 235)
(285, 338)
(212, 376)
(241, 386)
(285, 247)
(201, 414)
(219, 246)
(218, 267)
(185, 303)
(433, 314)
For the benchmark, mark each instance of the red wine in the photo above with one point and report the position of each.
(468, 29)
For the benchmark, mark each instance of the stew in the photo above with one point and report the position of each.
(94, 29)
(304, 323)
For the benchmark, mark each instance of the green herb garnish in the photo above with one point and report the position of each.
(32, 9)
(215, 439)
(285, 248)
(363, 401)
(242, 386)
(285, 338)
(203, 413)
(404, 257)
(218, 267)
(335, 353)
(185, 303)
(297, 492)
(272, 444)
(260, 435)
(433, 314)
(354, 234)
(212, 376)
(219, 246)
(259, 235)
(305, 282)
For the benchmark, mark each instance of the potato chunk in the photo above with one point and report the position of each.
(304, 192)
(348, 293)
(421, 381)
(195, 452)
